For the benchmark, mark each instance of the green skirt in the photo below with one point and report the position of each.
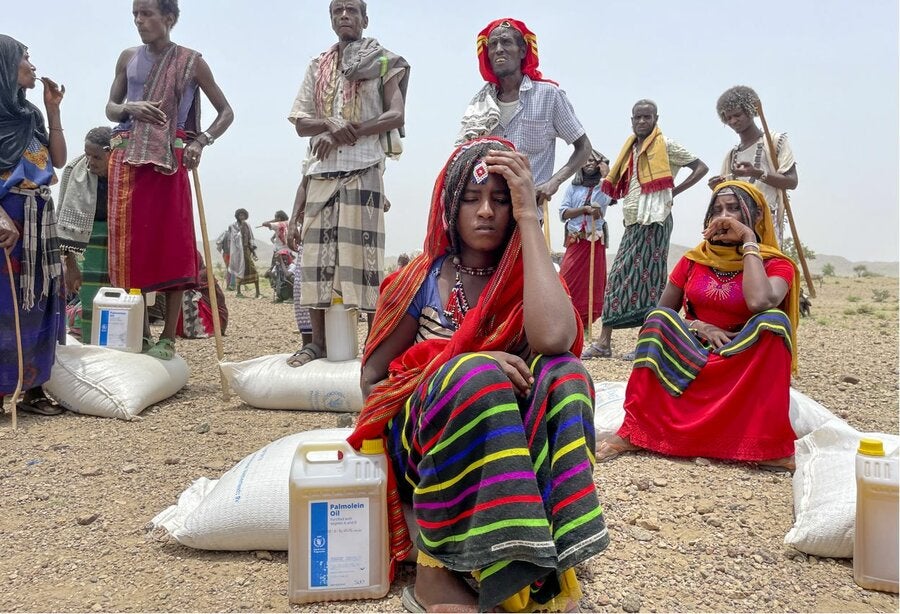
(94, 275)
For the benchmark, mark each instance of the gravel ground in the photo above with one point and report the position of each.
(77, 492)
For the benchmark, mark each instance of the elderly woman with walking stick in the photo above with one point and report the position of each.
(32, 307)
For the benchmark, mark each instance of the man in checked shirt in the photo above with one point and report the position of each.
(520, 105)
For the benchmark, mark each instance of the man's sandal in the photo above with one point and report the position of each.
(596, 351)
(164, 349)
(40, 405)
(305, 355)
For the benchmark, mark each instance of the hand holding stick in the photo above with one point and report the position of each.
(544, 204)
(786, 205)
(590, 318)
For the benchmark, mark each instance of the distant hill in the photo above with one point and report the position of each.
(842, 266)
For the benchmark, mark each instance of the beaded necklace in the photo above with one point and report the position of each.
(458, 302)
(724, 276)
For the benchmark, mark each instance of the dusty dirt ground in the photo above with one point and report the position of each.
(76, 492)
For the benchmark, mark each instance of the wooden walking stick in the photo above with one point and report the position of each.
(590, 322)
(785, 205)
(211, 284)
(544, 203)
(15, 300)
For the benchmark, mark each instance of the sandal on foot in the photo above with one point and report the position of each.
(408, 598)
(41, 406)
(164, 349)
(146, 344)
(596, 351)
(629, 356)
(304, 355)
(608, 450)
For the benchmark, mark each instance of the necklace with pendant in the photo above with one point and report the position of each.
(458, 302)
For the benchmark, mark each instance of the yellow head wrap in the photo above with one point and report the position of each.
(729, 258)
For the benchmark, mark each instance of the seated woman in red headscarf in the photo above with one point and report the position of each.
(716, 383)
(472, 378)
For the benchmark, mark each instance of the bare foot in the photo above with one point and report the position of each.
(438, 589)
(779, 464)
(612, 447)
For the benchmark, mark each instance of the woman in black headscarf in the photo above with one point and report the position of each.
(29, 151)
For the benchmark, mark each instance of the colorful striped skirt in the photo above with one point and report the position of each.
(684, 400)
(638, 275)
(42, 326)
(94, 275)
(502, 486)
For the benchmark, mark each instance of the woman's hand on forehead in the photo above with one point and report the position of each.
(514, 168)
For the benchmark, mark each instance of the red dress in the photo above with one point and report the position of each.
(737, 407)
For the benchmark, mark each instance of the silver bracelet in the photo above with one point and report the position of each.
(750, 244)
(763, 177)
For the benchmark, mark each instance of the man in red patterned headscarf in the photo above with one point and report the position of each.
(520, 105)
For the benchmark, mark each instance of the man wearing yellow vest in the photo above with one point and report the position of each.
(643, 179)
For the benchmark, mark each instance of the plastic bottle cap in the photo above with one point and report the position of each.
(372, 446)
(337, 300)
(871, 447)
(135, 291)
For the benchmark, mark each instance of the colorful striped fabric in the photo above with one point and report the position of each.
(502, 485)
(671, 350)
(774, 321)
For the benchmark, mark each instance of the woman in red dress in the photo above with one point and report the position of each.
(716, 382)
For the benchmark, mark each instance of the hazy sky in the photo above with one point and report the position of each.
(826, 71)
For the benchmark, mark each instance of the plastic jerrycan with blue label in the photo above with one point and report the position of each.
(118, 319)
(338, 543)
